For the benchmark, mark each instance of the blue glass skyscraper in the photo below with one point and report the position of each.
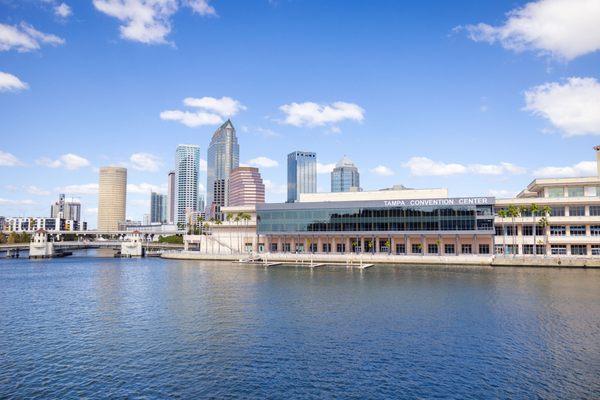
(345, 176)
(302, 174)
(223, 156)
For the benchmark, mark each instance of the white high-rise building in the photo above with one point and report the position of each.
(187, 170)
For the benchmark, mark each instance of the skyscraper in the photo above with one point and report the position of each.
(187, 169)
(302, 174)
(158, 208)
(345, 176)
(66, 208)
(223, 156)
(112, 197)
(171, 197)
(246, 187)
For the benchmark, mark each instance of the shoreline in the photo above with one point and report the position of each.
(358, 259)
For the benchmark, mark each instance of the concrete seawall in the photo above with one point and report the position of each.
(352, 259)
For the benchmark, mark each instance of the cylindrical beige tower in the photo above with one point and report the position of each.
(112, 195)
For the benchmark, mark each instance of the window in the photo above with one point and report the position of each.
(400, 248)
(509, 230)
(416, 248)
(595, 230)
(286, 247)
(577, 230)
(466, 249)
(596, 249)
(340, 247)
(313, 248)
(578, 249)
(484, 249)
(594, 211)
(539, 230)
(558, 230)
(432, 248)
(555, 192)
(527, 249)
(527, 230)
(575, 191)
(540, 249)
(557, 212)
(498, 230)
(273, 247)
(326, 247)
(558, 249)
(449, 248)
(498, 249)
(577, 211)
(512, 249)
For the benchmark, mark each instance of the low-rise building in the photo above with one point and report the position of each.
(32, 224)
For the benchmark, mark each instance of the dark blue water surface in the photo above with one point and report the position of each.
(99, 327)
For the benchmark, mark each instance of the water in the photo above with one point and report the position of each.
(151, 328)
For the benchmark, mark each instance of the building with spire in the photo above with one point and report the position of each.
(223, 157)
(345, 176)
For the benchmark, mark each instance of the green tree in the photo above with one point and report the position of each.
(535, 209)
(503, 213)
(514, 212)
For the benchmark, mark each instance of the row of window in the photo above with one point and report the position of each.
(555, 230)
(560, 211)
(555, 249)
(416, 248)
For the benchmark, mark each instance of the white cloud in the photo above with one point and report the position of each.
(263, 162)
(86, 188)
(564, 29)
(63, 10)
(9, 202)
(583, 168)
(10, 83)
(203, 165)
(24, 38)
(382, 170)
(148, 21)
(225, 106)
(145, 162)
(8, 160)
(274, 188)
(202, 7)
(325, 168)
(423, 166)
(573, 107)
(208, 111)
(145, 188)
(68, 161)
(312, 114)
(36, 191)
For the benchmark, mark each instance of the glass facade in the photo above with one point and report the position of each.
(158, 208)
(187, 170)
(345, 176)
(223, 156)
(302, 174)
(372, 217)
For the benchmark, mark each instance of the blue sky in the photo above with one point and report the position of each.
(479, 97)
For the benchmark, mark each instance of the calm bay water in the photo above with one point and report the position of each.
(99, 327)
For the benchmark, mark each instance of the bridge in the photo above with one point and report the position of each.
(98, 233)
(56, 247)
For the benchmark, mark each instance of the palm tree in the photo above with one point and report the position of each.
(237, 220)
(543, 222)
(534, 211)
(513, 212)
(546, 211)
(218, 221)
(502, 213)
(228, 218)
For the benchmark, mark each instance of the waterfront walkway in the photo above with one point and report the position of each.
(357, 259)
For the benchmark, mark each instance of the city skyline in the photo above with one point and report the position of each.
(441, 110)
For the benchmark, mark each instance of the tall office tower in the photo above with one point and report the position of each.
(112, 197)
(345, 176)
(187, 170)
(201, 203)
(246, 187)
(302, 174)
(158, 208)
(171, 197)
(66, 208)
(223, 156)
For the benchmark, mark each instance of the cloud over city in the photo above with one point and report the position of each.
(311, 114)
(204, 111)
(25, 38)
(423, 166)
(68, 161)
(564, 29)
